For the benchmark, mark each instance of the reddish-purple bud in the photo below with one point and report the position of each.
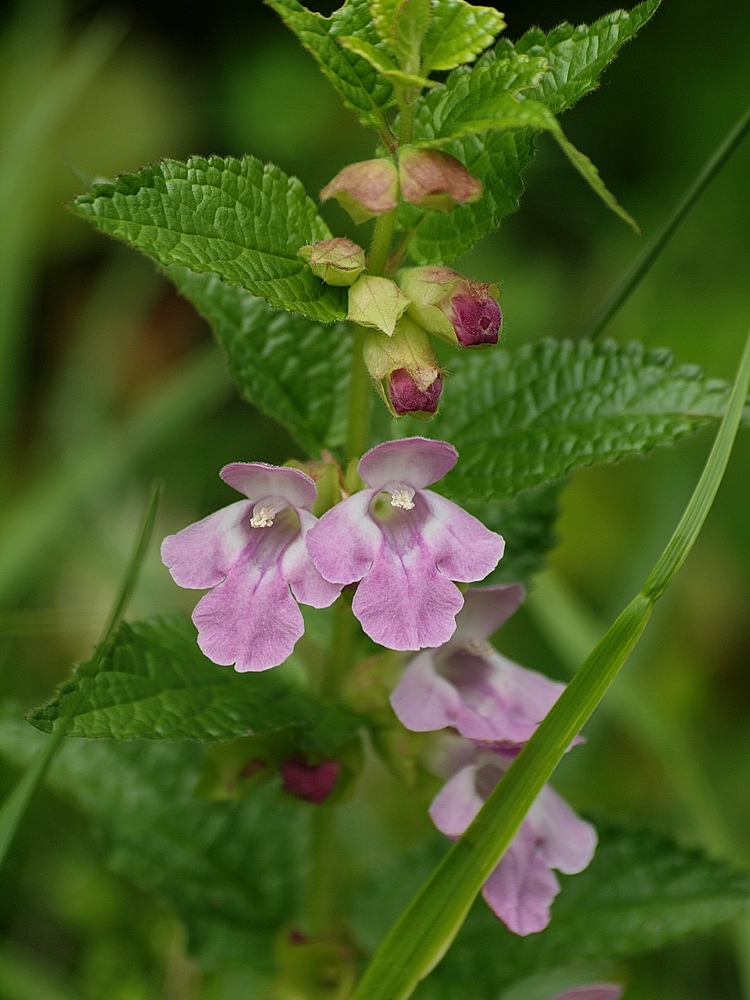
(405, 369)
(365, 189)
(408, 397)
(461, 311)
(431, 179)
(311, 782)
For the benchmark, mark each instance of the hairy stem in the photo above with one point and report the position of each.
(381, 243)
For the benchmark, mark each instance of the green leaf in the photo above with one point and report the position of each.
(471, 96)
(458, 33)
(360, 86)
(640, 892)
(151, 681)
(524, 417)
(527, 523)
(233, 871)
(576, 58)
(383, 63)
(293, 370)
(240, 219)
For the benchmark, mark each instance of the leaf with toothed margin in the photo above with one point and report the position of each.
(239, 219)
(529, 416)
(576, 58)
(360, 85)
(458, 33)
(150, 680)
(292, 369)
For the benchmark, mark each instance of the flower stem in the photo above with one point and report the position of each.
(321, 899)
(360, 399)
(381, 242)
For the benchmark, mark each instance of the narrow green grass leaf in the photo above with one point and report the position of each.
(16, 805)
(420, 938)
(240, 219)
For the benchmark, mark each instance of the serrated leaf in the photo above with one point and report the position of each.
(491, 98)
(151, 681)
(233, 871)
(293, 370)
(519, 418)
(360, 86)
(384, 17)
(458, 33)
(383, 63)
(240, 219)
(577, 56)
(639, 893)
(527, 523)
(412, 22)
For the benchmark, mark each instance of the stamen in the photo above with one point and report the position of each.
(478, 647)
(401, 496)
(263, 515)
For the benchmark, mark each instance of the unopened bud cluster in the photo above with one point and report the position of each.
(402, 313)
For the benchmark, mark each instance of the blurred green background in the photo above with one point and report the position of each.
(109, 380)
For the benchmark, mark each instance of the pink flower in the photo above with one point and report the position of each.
(405, 544)
(253, 556)
(522, 887)
(468, 685)
(311, 782)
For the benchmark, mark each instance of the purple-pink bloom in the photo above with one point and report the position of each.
(522, 887)
(311, 782)
(468, 685)
(405, 544)
(254, 557)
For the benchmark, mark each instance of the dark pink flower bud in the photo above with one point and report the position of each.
(431, 179)
(365, 189)
(407, 396)
(311, 782)
(405, 369)
(461, 311)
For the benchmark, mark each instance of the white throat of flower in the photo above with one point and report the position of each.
(265, 511)
(478, 647)
(401, 496)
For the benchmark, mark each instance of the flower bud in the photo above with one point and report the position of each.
(337, 261)
(405, 370)
(365, 189)
(461, 311)
(311, 782)
(431, 179)
(376, 302)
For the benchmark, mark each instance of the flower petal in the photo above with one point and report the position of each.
(567, 841)
(457, 803)
(404, 602)
(251, 618)
(423, 700)
(257, 481)
(485, 610)
(415, 461)
(464, 549)
(308, 586)
(345, 541)
(499, 701)
(521, 888)
(202, 554)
